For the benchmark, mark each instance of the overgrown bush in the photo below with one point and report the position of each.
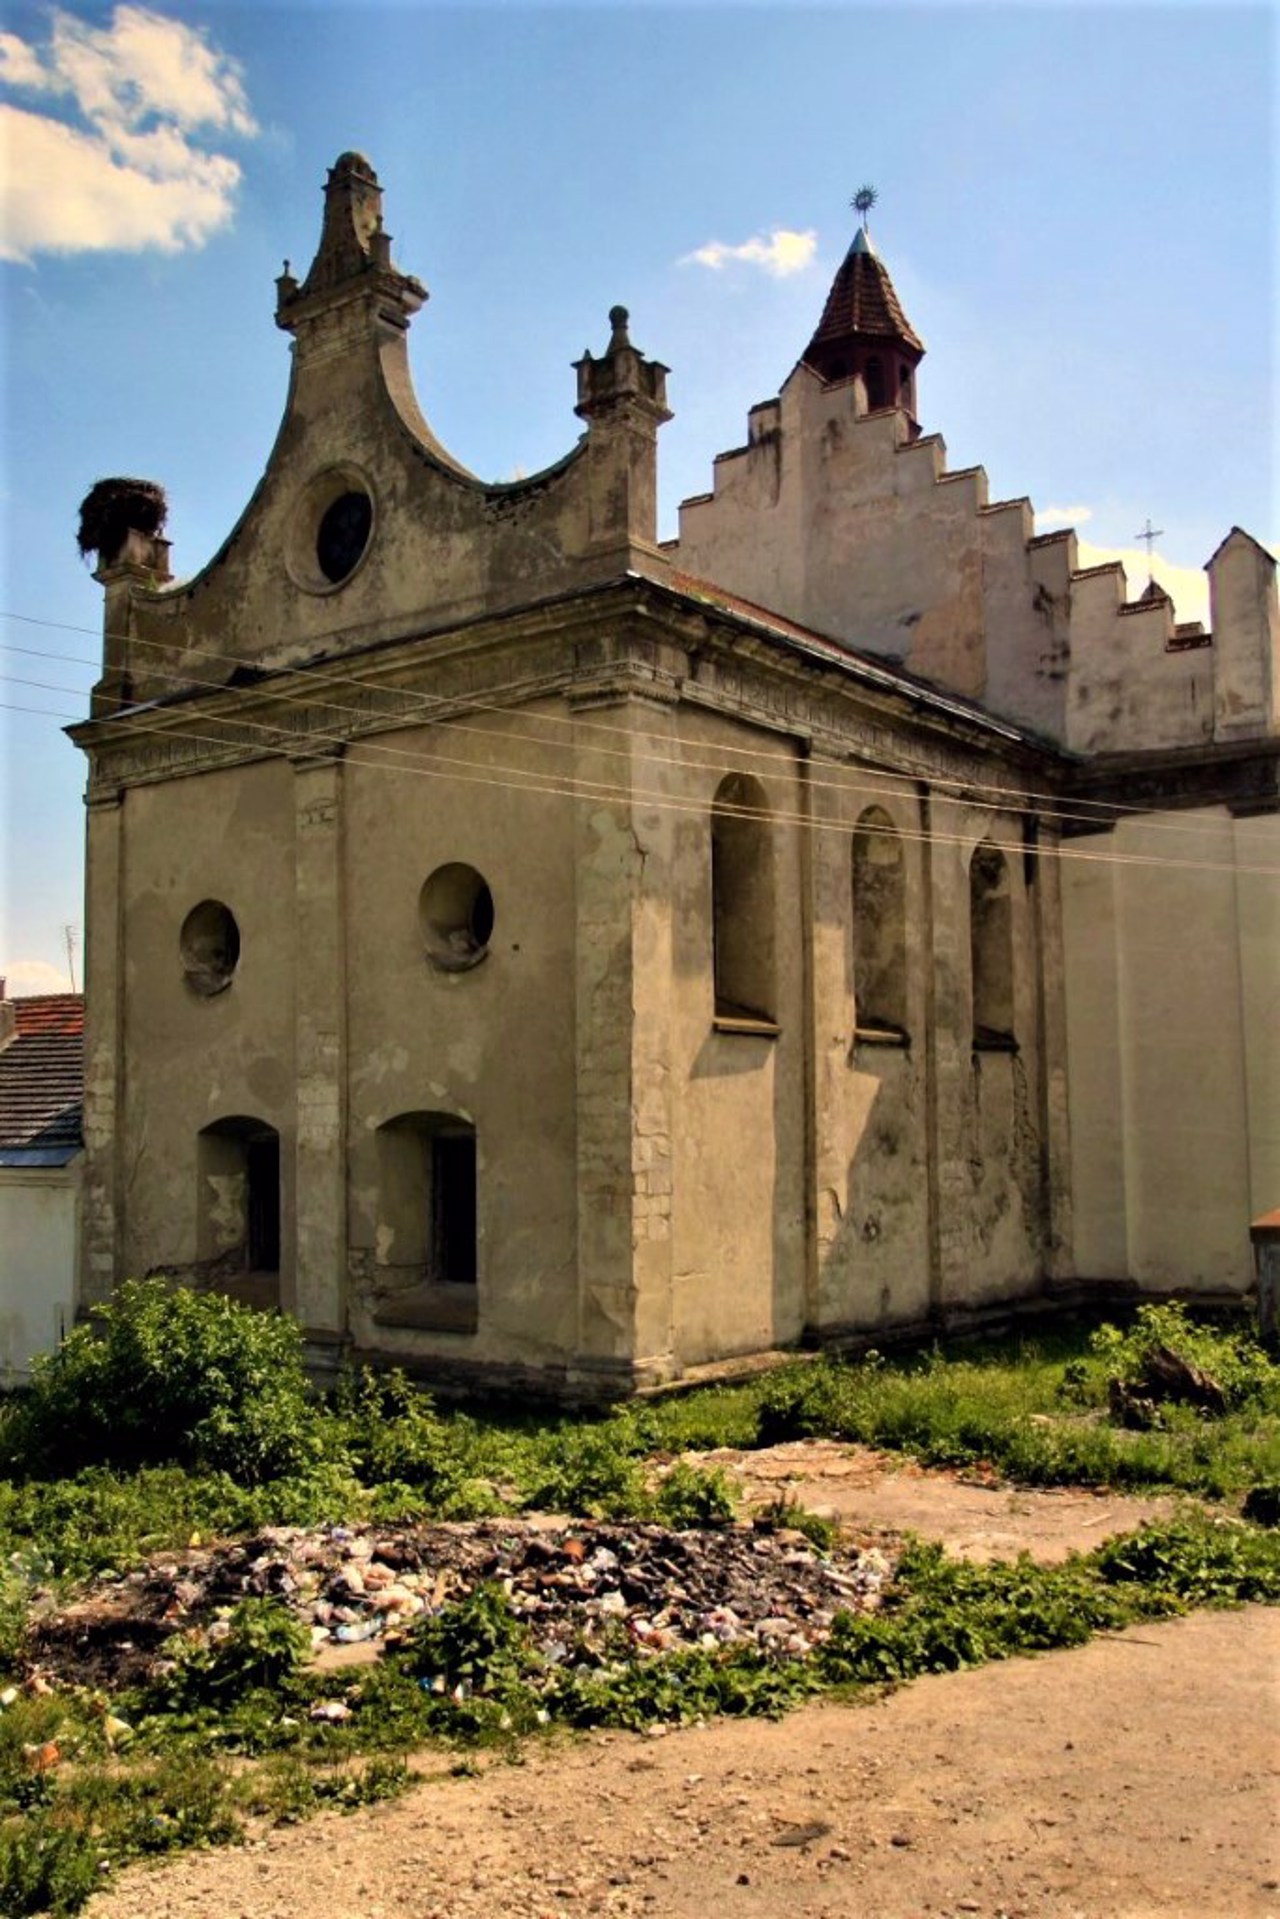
(588, 1471)
(167, 1375)
(262, 1649)
(690, 1496)
(1233, 1360)
(390, 1435)
(46, 1866)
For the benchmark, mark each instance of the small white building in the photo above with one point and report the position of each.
(41, 1097)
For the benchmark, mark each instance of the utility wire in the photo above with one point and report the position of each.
(1010, 799)
(461, 771)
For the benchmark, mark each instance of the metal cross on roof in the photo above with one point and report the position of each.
(1149, 535)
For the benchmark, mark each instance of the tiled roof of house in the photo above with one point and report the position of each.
(42, 1079)
(863, 302)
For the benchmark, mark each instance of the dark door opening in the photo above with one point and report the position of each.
(453, 1208)
(262, 1155)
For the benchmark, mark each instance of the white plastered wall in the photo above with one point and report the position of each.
(37, 1263)
(1172, 941)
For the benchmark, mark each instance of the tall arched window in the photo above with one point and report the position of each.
(991, 948)
(742, 901)
(874, 376)
(879, 928)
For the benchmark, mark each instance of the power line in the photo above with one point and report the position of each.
(597, 791)
(1007, 799)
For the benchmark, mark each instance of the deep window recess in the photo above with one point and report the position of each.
(879, 930)
(742, 900)
(456, 915)
(343, 534)
(991, 949)
(238, 1206)
(209, 946)
(875, 382)
(428, 1222)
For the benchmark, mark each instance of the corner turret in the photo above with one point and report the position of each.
(864, 333)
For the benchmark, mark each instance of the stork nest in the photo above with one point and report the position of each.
(112, 509)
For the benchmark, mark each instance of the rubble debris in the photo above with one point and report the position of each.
(351, 1587)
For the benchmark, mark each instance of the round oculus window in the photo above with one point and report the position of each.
(456, 914)
(331, 529)
(343, 535)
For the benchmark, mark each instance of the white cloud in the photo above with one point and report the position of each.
(24, 977)
(1050, 516)
(1187, 586)
(781, 254)
(138, 173)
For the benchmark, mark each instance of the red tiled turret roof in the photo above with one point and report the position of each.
(863, 303)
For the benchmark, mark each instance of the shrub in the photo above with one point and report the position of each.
(167, 1375)
(692, 1496)
(393, 1438)
(47, 1867)
(476, 1642)
(587, 1470)
(262, 1649)
(1234, 1361)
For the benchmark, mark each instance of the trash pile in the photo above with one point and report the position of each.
(364, 1587)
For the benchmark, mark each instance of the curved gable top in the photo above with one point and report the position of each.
(363, 527)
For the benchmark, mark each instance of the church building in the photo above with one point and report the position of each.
(539, 954)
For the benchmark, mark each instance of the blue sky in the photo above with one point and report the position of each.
(1076, 205)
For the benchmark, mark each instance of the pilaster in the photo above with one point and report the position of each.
(100, 1211)
(1051, 1021)
(824, 930)
(951, 1025)
(320, 1183)
(623, 948)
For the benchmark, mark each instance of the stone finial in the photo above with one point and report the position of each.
(354, 248)
(122, 520)
(621, 377)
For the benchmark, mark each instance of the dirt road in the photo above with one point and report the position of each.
(1136, 1776)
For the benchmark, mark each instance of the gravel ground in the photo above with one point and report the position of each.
(1133, 1777)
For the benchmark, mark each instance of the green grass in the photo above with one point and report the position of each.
(470, 1677)
(226, 1735)
(1035, 1412)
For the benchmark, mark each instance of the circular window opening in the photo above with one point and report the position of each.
(210, 946)
(343, 534)
(331, 530)
(456, 914)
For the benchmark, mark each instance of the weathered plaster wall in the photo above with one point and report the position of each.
(492, 1044)
(875, 1200)
(738, 1106)
(186, 1060)
(1134, 683)
(1245, 617)
(1173, 1004)
(37, 1263)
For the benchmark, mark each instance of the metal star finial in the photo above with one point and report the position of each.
(863, 201)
